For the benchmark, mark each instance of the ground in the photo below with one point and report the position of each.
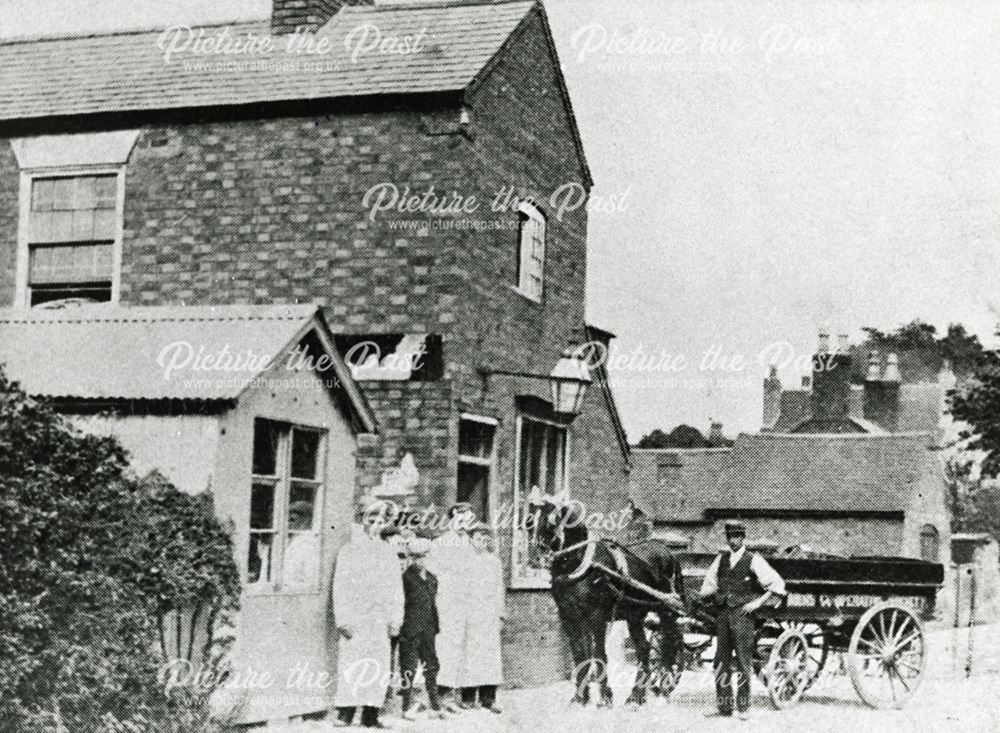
(947, 700)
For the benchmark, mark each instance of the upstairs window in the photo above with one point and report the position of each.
(531, 252)
(72, 228)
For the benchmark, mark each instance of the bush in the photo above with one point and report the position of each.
(93, 561)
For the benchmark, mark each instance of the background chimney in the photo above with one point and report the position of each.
(831, 384)
(874, 370)
(882, 393)
(842, 344)
(772, 398)
(715, 434)
(824, 342)
(287, 16)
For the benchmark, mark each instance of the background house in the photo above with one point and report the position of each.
(272, 437)
(835, 470)
(140, 180)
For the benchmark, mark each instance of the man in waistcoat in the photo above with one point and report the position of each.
(741, 582)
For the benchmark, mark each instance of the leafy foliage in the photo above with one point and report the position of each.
(93, 560)
(921, 350)
(976, 402)
(683, 436)
(974, 503)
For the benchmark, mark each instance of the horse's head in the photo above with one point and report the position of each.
(554, 522)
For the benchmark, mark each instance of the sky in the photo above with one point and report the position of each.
(763, 171)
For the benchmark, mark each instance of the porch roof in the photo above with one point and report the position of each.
(115, 353)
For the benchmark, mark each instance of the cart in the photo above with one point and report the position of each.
(868, 610)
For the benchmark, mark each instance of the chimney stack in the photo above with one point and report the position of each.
(842, 344)
(289, 16)
(772, 398)
(715, 434)
(831, 382)
(882, 392)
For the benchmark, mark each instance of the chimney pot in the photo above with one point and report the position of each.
(874, 370)
(806, 382)
(842, 344)
(892, 370)
(824, 342)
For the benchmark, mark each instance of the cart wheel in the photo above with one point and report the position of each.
(887, 656)
(788, 671)
(816, 641)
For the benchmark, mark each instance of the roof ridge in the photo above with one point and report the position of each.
(117, 32)
(426, 4)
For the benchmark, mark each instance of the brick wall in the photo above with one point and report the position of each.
(270, 210)
(847, 536)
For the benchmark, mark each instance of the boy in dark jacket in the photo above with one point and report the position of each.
(420, 627)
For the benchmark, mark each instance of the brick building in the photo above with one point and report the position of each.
(854, 469)
(142, 175)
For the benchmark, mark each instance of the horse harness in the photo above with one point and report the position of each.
(620, 572)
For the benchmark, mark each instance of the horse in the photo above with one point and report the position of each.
(588, 598)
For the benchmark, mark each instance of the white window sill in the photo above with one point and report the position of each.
(525, 294)
(536, 583)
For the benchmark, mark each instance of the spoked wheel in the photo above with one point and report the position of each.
(789, 669)
(887, 656)
(817, 644)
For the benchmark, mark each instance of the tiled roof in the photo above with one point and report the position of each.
(840, 473)
(126, 353)
(784, 473)
(668, 483)
(127, 72)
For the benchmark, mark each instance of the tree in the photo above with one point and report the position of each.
(93, 557)
(921, 351)
(977, 403)
(683, 436)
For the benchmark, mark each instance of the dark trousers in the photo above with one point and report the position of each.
(413, 650)
(369, 715)
(487, 695)
(734, 633)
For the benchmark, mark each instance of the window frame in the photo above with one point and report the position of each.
(530, 213)
(282, 481)
(22, 288)
(489, 462)
(520, 576)
(929, 532)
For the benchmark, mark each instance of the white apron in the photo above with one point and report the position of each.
(367, 598)
(483, 663)
(451, 560)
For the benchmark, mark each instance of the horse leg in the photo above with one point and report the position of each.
(578, 635)
(637, 632)
(600, 659)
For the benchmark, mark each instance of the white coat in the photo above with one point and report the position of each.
(483, 663)
(451, 560)
(368, 600)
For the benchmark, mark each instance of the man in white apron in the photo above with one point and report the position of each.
(483, 666)
(451, 560)
(368, 611)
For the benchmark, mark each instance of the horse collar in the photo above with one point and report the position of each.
(588, 559)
